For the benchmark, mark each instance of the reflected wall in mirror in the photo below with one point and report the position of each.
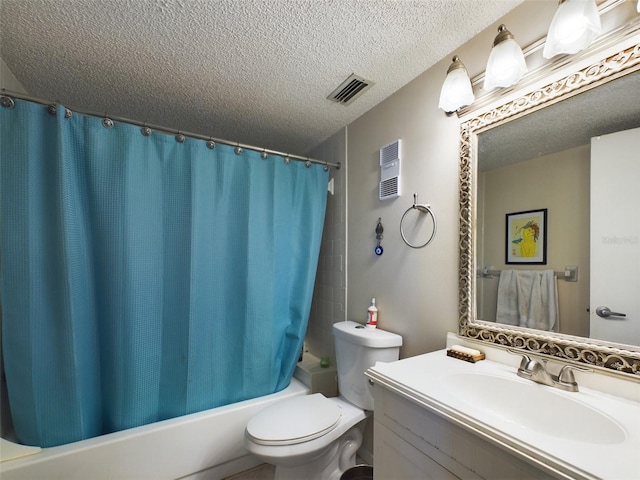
(536, 153)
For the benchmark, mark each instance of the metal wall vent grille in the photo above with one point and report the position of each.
(350, 90)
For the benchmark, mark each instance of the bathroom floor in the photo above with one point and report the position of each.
(261, 472)
(266, 472)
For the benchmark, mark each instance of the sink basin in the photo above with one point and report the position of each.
(535, 407)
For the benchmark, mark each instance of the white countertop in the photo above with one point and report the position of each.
(424, 379)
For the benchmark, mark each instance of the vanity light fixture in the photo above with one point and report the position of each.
(456, 91)
(575, 25)
(506, 64)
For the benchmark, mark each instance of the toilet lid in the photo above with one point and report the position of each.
(293, 421)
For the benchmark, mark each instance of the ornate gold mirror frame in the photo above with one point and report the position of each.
(564, 347)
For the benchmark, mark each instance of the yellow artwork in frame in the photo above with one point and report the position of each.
(526, 237)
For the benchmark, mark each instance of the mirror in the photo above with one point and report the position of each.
(522, 165)
(523, 133)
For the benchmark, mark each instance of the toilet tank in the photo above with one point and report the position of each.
(357, 349)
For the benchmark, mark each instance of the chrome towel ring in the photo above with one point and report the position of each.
(422, 208)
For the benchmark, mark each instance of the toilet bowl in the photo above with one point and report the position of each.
(303, 436)
(314, 437)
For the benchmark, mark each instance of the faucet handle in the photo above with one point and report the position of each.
(525, 358)
(525, 362)
(566, 373)
(567, 378)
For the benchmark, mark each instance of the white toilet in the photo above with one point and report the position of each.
(315, 437)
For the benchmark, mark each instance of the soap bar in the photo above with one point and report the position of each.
(464, 353)
(469, 351)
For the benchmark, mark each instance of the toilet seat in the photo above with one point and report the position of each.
(294, 421)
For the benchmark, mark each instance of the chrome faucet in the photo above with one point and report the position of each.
(536, 371)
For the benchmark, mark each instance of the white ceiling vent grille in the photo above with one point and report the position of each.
(390, 171)
(350, 90)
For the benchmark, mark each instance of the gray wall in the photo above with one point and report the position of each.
(416, 290)
(8, 80)
(561, 183)
(329, 299)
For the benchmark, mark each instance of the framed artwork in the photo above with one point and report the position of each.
(526, 237)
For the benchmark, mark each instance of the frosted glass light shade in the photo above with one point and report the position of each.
(456, 90)
(506, 64)
(574, 26)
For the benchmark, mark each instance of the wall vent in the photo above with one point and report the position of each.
(390, 171)
(350, 90)
(389, 188)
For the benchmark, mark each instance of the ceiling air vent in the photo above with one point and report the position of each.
(350, 89)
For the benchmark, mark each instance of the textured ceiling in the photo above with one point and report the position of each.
(251, 71)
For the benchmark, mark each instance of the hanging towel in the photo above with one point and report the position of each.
(528, 298)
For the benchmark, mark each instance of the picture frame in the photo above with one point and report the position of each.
(526, 237)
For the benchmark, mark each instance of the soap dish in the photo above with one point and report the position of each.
(468, 356)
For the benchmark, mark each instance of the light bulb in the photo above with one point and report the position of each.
(506, 64)
(574, 26)
(456, 90)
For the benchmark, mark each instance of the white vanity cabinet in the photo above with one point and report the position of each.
(413, 442)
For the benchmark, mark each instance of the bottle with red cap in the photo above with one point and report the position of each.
(372, 315)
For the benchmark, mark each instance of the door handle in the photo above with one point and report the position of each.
(606, 312)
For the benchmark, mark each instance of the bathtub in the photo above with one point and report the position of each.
(204, 445)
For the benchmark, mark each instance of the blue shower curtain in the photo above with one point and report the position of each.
(143, 278)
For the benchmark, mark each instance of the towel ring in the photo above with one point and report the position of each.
(423, 208)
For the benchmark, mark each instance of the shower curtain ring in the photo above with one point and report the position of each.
(146, 131)
(52, 109)
(307, 163)
(326, 166)
(238, 150)
(287, 160)
(107, 122)
(211, 144)
(179, 138)
(7, 102)
(264, 155)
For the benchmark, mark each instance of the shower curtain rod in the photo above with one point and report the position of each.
(158, 128)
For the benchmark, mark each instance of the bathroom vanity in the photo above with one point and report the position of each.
(438, 417)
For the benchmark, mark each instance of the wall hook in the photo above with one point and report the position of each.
(379, 229)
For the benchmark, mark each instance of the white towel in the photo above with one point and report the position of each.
(528, 298)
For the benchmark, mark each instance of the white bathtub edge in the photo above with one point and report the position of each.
(13, 451)
(170, 449)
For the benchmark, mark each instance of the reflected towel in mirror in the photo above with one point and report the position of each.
(528, 298)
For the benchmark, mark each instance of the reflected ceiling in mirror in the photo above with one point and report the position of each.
(513, 117)
(612, 107)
